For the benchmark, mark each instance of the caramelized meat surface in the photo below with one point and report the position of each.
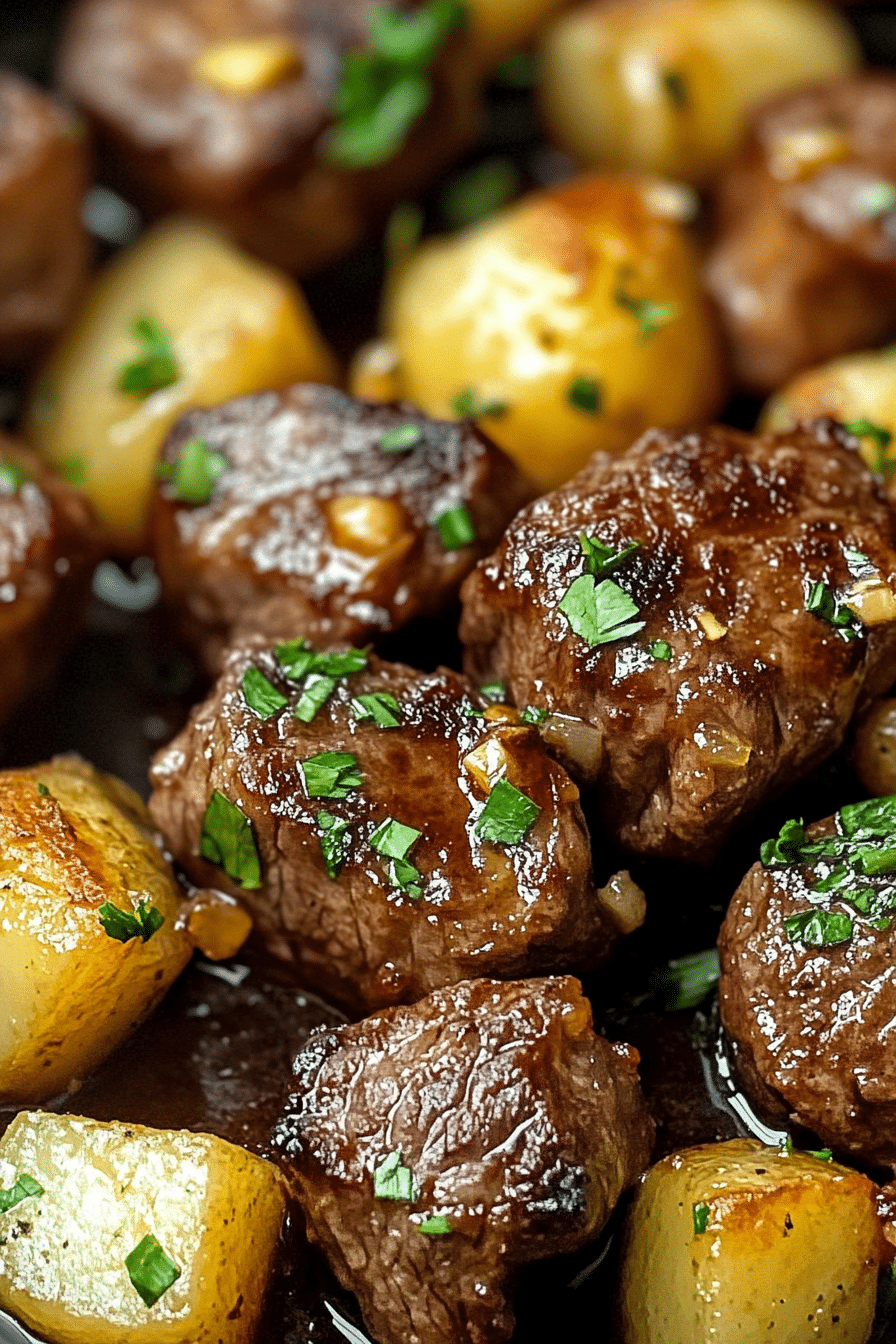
(185, 119)
(696, 656)
(43, 244)
(804, 262)
(808, 987)
(511, 1131)
(372, 913)
(315, 526)
(47, 550)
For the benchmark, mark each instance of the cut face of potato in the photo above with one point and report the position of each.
(89, 940)
(128, 1235)
(737, 1241)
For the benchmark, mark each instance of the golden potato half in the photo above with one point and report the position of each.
(739, 1241)
(79, 872)
(129, 1235)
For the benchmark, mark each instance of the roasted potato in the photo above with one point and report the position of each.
(665, 86)
(874, 751)
(739, 1241)
(180, 319)
(499, 27)
(557, 322)
(89, 938)
(129, 1235)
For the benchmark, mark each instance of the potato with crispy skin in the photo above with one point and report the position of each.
(129, 1235)
(89, 939)
(739, 1241)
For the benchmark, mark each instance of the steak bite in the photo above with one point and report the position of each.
(712, 605)
(437, 1149)
(321, 513)
(396, 840)
(803, 266)
(808, 985)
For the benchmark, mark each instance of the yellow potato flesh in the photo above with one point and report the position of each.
(69, 993)
(498, 27)
(523, 306)
(214, 1209)
(666, 86)
(790, 1253)
(236, 326)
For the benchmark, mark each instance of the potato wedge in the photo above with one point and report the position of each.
(205, 1215)
(225, 324)
(73, 844)
(739, 1241)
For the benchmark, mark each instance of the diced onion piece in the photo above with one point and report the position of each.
(624, 902)
(576, 742)
(721, 746)
(217, 924)
(367, 524)
(245, 65)
(488, 762)
(712, 628)
(872, 601)
(375, 373)
(801, 152)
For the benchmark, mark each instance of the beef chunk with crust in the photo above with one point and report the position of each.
(734, 688)
(315, 526)
(375, 881)
(808, 985)
(511, 1131)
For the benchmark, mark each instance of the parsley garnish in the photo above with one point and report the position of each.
(456, 527)
(818, 928)
(507, 815)
(157, 369)
(599, 613)
(660, 650)
(786, 848)
(586, 395)
(401, 438)
(12, 476)
(315, 694)
(150, 1270)
(823, 1154)
(297, 660)
(601, 560)
(821, 602)
(331, 774)
(72, 469)
(867, 429)
(379, 707)
(262, 695)
(393, 1180)
(480, 191)
(701, 1218)
(494, 691)
(26, 1187)
(532, 714)
(676, 87)
(123, 925)
(333, 842)
(394, 841)
(651, 315)
(43, 790)
(195, 473)
(440, 1226)
(686, 981)
(227, 840)
(471, 406)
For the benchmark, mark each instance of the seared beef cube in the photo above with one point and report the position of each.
(437, 1149)
(339, 518)
(397, 842)
(808, 986)
(47, 551)
(226, 108)
(43, 245)
(804, 262)
(694, 602)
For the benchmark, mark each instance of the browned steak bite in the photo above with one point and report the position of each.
(395, 842)
(437, 1149)
(808, 987)
(693, 601)
(337, 517)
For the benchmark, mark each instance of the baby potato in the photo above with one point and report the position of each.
(874, 751)
(129, 1235)
(88, 924)
(567, 323)
(737, 1240)
(499, 27)
(665, 86)
(178, 320)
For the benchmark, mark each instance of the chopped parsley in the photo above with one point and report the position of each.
(331, 774)
(440, 1226)
(379, 707)
(394, 841)
(480, 191)
(456, 527)
(494, 691)
(262, 695)
(822, 1154)
(72, 469)
(472, 406)
(393, 1180)
(12, 476)
(701, 1218)
(599, 613)
(652, 316)
(297, 660)
(507, 816)
(821, 602)
(600, 559)
(150, 1270)
(676, 87)
(43, 790)
(401, 438)
(157, 368)
(315, 693)
(532, 714)
(586, 395)
(25, 1187)
(883, 465)
(228, 841)
(195, 473)
(123, 925)
(333, 842)
(660, 650)
(819, 928)
(686, 981)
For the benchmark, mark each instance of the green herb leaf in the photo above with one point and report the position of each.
(586, 395)
(195, 473)
(379, 707)
(12, 476)
(821, 602)
(227, 840)
(157, 368)
(676, 87)
(456, 527)
(297, 660)
(480, 191)
(701, 1218)
(333, 842)
(819, 928)
(404, 229)
(652, 316)
(401, 438)
(786, 848)
(123, 925)
(599, 613)
(494, 691)
(393, 839)
(876, 199)
(601, 560)
(150, 1270)
(25, 1187)
(393, 1180)
(507, 816)
(532, 714)
(686, 981)
(877, 862)
(404, 876)
(823, 1154)
(262, 695)
(660, 650)
(471, 406)
(331, 774)
(883, 464)
(72, 469)
(876, 817)
(43, 790)
(440, 1226)
(315, 694)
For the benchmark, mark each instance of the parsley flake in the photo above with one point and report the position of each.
(394, 841)
(12, 476)
(821, 602)
(651, 315)
(157, 368)
(480, 191)
(150, 1270)
(882, 464)
(195, 473)
(228, 841)
(262, 695)
(507, 816)
(686, 981)
(494, 691)
(819, 928)
(401, 438)
(586, 395)
(532, 714)
(123, 925)
(333, 842)
(456, 527)
(701, 1219)
(660, 650)
(472, 406)
(599, 613)
(331, 774)
(676, 87)
(393, 1180)
(822, 1154)
(600, 559)
(440, 1226)
(297, 660)
(379, 707)
(315, 694)
(72, 469)
(25, 1187)
(43, 790)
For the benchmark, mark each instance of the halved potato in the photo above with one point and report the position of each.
(137, 1236)
(79, 870)
(737, 1241)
